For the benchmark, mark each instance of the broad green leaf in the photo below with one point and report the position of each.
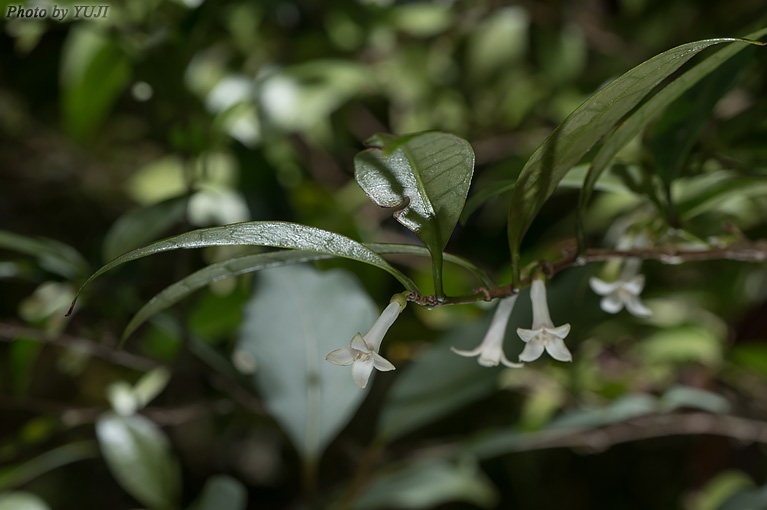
(14, 476)
(639, 119)
(277, 234)
(256, 262)
(296, 316)
(139, 456)
(222, 493)
(425, 177)
(22, 501)
(436, 384)
(428, 484)
(143, 225)
(52, 255)
(94, 71)
(581, 130)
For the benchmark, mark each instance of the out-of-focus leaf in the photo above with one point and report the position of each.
(581, 130)
(150, 385)
(425, 177)
(278, 234)
(682, 344)
(722, 486)
(52, 255)
(22, 501)
(94, 71)
(222, 493)
(15, 476)
(138, 455)
(298, 315)
(436, 384)
(639, 119)
(751, 499)
(142, 225)
(256, 262)
(427, 484)
(422, 19)
(702, 193)
(695, 398)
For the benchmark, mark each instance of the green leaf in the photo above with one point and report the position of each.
(428, 484)
(702, 193)
(296, 316)
(639, 119)
(142, 225)
(425, 177)
(139, 456)
(52, 255)
(22, 501)
(15, 476)
(278, 234)
(256, 262)
(222, 493)
(436, 384)
(581, 130)
(94, 71)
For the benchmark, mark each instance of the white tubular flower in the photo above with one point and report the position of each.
(543, 335)
(624, 291)
(362, 353)
(490, 351)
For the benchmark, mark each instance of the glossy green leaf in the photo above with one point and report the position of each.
(52, 255)
(436, 384)
(256, 262)
(581, 130)
(94, 71)
(14, 476)
(222, 493)
(639, 119)
(296, 316)
(277, 234)
(143, 225)
(428, 484)
(22, 501)
(138, 454)
(425, 178)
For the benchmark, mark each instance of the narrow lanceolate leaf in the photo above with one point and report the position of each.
(52, 255)
(296, 316)
(581, 130)
(639, 119)
(425, 178)
(256, 262)
(277, 234)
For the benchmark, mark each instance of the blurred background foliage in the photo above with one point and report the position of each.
(163, 116)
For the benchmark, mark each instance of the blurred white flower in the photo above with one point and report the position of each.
(543, 335)
(362, 353)
(620, 293)
(490, 351)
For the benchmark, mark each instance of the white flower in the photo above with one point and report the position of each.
(491, 349)
(624, 291)
(543, 335)
(362, 353)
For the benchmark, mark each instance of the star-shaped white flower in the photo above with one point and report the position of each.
(620, 293)
(490, 351)
(362, 353)
(543, 335)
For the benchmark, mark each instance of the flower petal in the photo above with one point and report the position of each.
(468, 354)
(381, 363)
(343, 357)
(611, 303)
(635, 285)
(361, 371)
(601, 287)
(557, 349)
(359, 343)
(635, 307)
(532, 351)
(382, 325)
(541, 317)
(529, 334)
(510, 364)
(559, 332)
